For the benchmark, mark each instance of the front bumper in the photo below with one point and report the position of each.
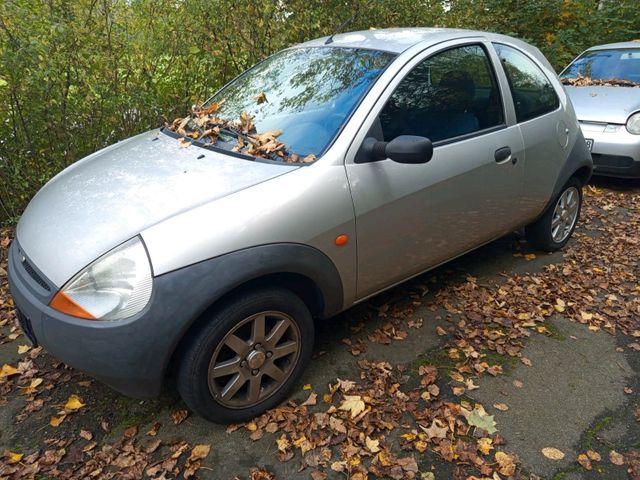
(615, 152)
(129, 355)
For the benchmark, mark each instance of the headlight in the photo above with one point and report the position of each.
(115, 286)
(633, 124)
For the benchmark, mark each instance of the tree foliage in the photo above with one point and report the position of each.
(77, 75)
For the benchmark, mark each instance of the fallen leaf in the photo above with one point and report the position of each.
(73, 403)
(506, 462)
(179, 416)
(372, 445)
(13, 457)
(86, 435)
(552, 453)
(593, 455)
(56, 421)
(479, 418)
(23, 349)
(501, 406)
(353, 404)
(616, 458)
(584, 461)
(312, 400)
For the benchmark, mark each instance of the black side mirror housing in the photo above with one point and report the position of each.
(403, 149)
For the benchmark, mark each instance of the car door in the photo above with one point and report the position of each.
(412, 217)
(541, 120)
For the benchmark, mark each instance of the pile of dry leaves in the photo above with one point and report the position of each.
(204, 126)
(581, 81)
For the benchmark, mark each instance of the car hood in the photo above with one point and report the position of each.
(604, 104)
(111, 196)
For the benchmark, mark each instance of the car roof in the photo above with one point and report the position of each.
(397, 40)
(610, 46)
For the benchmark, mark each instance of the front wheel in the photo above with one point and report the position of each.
(552, 231)
(247, 356)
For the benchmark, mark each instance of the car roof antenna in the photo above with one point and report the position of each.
(344, 24)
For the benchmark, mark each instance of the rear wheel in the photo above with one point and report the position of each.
(247, 357)
(554, 229)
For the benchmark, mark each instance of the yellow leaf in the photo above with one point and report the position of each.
(353, 404)
(252, 426)
(372, 445)
(56, 421)
(23, 349)
(8, 370)
(283, 443)
(530, 256)
(485, 445)
(13, 457)
(73, 403)
(307, 386)
(384, 461)
(31, 389)
(552, 453)
(199, 452)
(586, 316)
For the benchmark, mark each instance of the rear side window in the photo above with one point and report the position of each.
(533, 94)
(450, 94)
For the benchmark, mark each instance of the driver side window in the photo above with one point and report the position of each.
(450, 94)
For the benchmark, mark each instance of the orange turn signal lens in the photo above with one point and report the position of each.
(64, 304)
(342, 240)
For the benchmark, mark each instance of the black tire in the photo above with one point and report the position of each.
(540, 233)
(193, 382)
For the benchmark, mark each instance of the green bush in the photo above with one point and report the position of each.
(77, 75)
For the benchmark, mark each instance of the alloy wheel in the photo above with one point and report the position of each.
(565, 214)
(254, 359)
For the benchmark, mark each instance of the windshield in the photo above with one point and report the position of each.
(618, 66)
(306, 93)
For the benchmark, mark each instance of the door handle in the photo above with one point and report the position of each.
(502, 154)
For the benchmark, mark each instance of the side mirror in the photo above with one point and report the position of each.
(403, 149)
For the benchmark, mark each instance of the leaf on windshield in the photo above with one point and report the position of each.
(204, 125)
(261, 98)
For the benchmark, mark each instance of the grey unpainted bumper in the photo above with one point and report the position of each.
(132, 355)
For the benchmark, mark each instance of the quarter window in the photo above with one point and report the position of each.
(450, 94)
(533, 94)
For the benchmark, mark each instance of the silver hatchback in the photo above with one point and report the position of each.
(325, 174)
(604, 86)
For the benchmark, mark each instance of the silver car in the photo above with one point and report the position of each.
(604, 86)
(404, 149)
